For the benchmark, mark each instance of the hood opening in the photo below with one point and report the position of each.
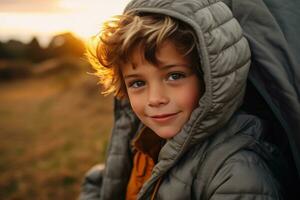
(255, 104)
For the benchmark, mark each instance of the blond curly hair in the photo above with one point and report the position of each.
(120, 35)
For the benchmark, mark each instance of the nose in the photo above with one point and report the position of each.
(157, 96)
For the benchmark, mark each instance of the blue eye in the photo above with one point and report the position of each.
(176, 76)
(136, 84)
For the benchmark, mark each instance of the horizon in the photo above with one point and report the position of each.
(23, 20)
(43, 41)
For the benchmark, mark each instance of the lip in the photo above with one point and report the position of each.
(163, 117)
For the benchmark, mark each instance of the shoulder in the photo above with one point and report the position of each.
(244, 174)
(245, 165)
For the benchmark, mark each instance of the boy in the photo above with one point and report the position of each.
(178, 70)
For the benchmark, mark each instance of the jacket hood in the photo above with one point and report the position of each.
(225, 61)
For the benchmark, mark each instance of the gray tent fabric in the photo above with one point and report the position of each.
(287, 15)
(272, 29)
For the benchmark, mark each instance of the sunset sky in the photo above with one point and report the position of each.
(22, 19)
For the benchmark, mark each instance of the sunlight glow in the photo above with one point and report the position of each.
(82, 17)
(71, 5)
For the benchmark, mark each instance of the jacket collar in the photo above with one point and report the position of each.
(148, 142)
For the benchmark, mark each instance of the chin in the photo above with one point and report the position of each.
(167, 134)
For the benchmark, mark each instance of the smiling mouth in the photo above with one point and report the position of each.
(163, 117)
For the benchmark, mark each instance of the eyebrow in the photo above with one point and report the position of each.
(131, 76)
(172, 65)
(163, 67)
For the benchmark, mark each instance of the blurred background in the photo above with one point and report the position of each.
(54, 122)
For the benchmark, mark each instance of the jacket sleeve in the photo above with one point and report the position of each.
(244, 176)
(91, 186)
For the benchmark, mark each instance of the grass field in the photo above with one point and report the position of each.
(52, 130)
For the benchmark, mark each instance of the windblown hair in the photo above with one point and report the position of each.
(113, 46)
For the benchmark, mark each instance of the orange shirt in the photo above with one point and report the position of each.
(146, 149)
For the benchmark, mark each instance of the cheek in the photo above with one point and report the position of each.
(187, 103)
(137, 104)
(189, 98)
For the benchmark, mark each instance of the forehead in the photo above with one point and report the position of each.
(165, 54)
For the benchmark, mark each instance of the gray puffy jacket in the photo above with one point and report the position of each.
(225, 61)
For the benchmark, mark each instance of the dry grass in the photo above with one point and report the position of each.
(52, 130)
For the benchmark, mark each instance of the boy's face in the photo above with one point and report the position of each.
(163, 96)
